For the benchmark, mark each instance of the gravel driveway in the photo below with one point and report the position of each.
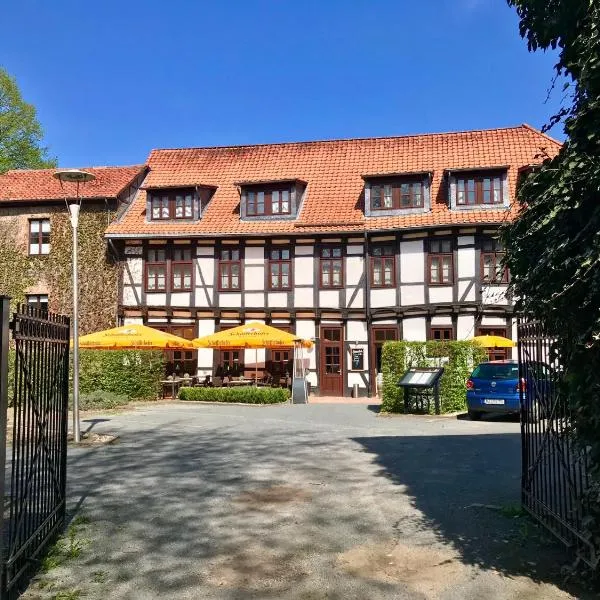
(301, 502)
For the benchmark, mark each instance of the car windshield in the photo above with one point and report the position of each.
(496, 371)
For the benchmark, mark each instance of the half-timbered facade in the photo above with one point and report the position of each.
(348, 242)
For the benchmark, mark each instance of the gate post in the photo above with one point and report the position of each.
(4, 328)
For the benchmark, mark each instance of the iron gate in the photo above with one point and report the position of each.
(34, 480)
(554, 470)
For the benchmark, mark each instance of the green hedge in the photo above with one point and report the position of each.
(245, 395)
(457, 358)
(130, 374)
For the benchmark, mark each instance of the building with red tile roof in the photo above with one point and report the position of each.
(348, 242)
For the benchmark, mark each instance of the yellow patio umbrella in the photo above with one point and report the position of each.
(251, 335)
(494, 341)
(133, 337)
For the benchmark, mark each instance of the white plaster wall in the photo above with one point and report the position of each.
(383, 297)
(329, 298)
(354, 377)
(412, 295)
(156, 299)
(233, 300)
(355, 249)
(440, 320)
(494, 295)
(181, 299)
(440, 294)
(302, 250)
(205, 355)
(205, 251)
(205, 271)
(469, 296)
(465, 327)
(182, 321)
(414, 329)
(133, 321)
(358, 301)
(354, 269)
(385, 322)
(306, 330)
(277, 299)
(254, 255)
(303, 297)
(466, 240)
(133, 275)
(303, 270)
(493, 322)
(356, 331)
(254, 300)
(254, 276)
(412, 262)
(466, 262)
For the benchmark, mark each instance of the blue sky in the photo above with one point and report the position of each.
(113, 79)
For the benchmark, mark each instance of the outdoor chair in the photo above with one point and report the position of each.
(218, 381)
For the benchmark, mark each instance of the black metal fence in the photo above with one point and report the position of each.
(32, 486)
(554, 470)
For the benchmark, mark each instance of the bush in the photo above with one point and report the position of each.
(100, 399)
(457, 358)
(245, 395)
(135, 374)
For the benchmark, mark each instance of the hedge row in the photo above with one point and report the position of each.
(245, 395)
(457, 358)
(122, 374)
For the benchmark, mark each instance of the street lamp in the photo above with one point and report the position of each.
(79, 178)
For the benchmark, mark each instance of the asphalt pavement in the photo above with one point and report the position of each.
(301, 502)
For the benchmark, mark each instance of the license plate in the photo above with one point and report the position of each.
(492, 401)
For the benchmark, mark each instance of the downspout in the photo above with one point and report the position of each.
(368, 315)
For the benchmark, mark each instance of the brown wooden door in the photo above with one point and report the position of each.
(331, 377)
(495, 353)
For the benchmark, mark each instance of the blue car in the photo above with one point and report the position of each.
(494, 388)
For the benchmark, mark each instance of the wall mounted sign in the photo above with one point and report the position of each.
(358, 359)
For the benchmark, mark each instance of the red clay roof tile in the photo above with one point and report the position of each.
(29, 185)
(333, 171)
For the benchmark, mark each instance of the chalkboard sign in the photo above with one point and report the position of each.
(358, 359)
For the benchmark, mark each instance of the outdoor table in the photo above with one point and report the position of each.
(240, 382)
(174, 384)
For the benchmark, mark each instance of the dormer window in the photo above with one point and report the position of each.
(270, 199)
(478, 188)
(275, 201)
(396, 194)
(172, 204)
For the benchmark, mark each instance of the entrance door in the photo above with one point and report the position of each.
(495, 353)
(331, 378)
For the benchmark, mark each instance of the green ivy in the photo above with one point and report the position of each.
(457, 358)
(245, 395)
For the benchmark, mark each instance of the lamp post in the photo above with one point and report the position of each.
(77, 177)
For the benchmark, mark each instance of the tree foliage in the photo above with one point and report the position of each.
(553, 247)
(20, 132)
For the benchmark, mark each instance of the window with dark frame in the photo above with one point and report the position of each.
(180, 362)
(440, 262)
(441, 334)
(39, 301)
(383, 266)
(181, 269)
(172, 204)
(332, 267)
(156, 270)
(272, 200)
(39, 236)
(492, 254)
(479, 188)
(279, 359)
(381, 335)
(230, 270)
(280, 269)
(395, 194)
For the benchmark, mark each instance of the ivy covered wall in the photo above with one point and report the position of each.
(21, 274)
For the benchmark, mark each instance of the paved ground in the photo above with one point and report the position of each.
(301, 502)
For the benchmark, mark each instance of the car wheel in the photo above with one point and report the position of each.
(474, 415)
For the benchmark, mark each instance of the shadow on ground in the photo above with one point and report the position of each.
(281, 511)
